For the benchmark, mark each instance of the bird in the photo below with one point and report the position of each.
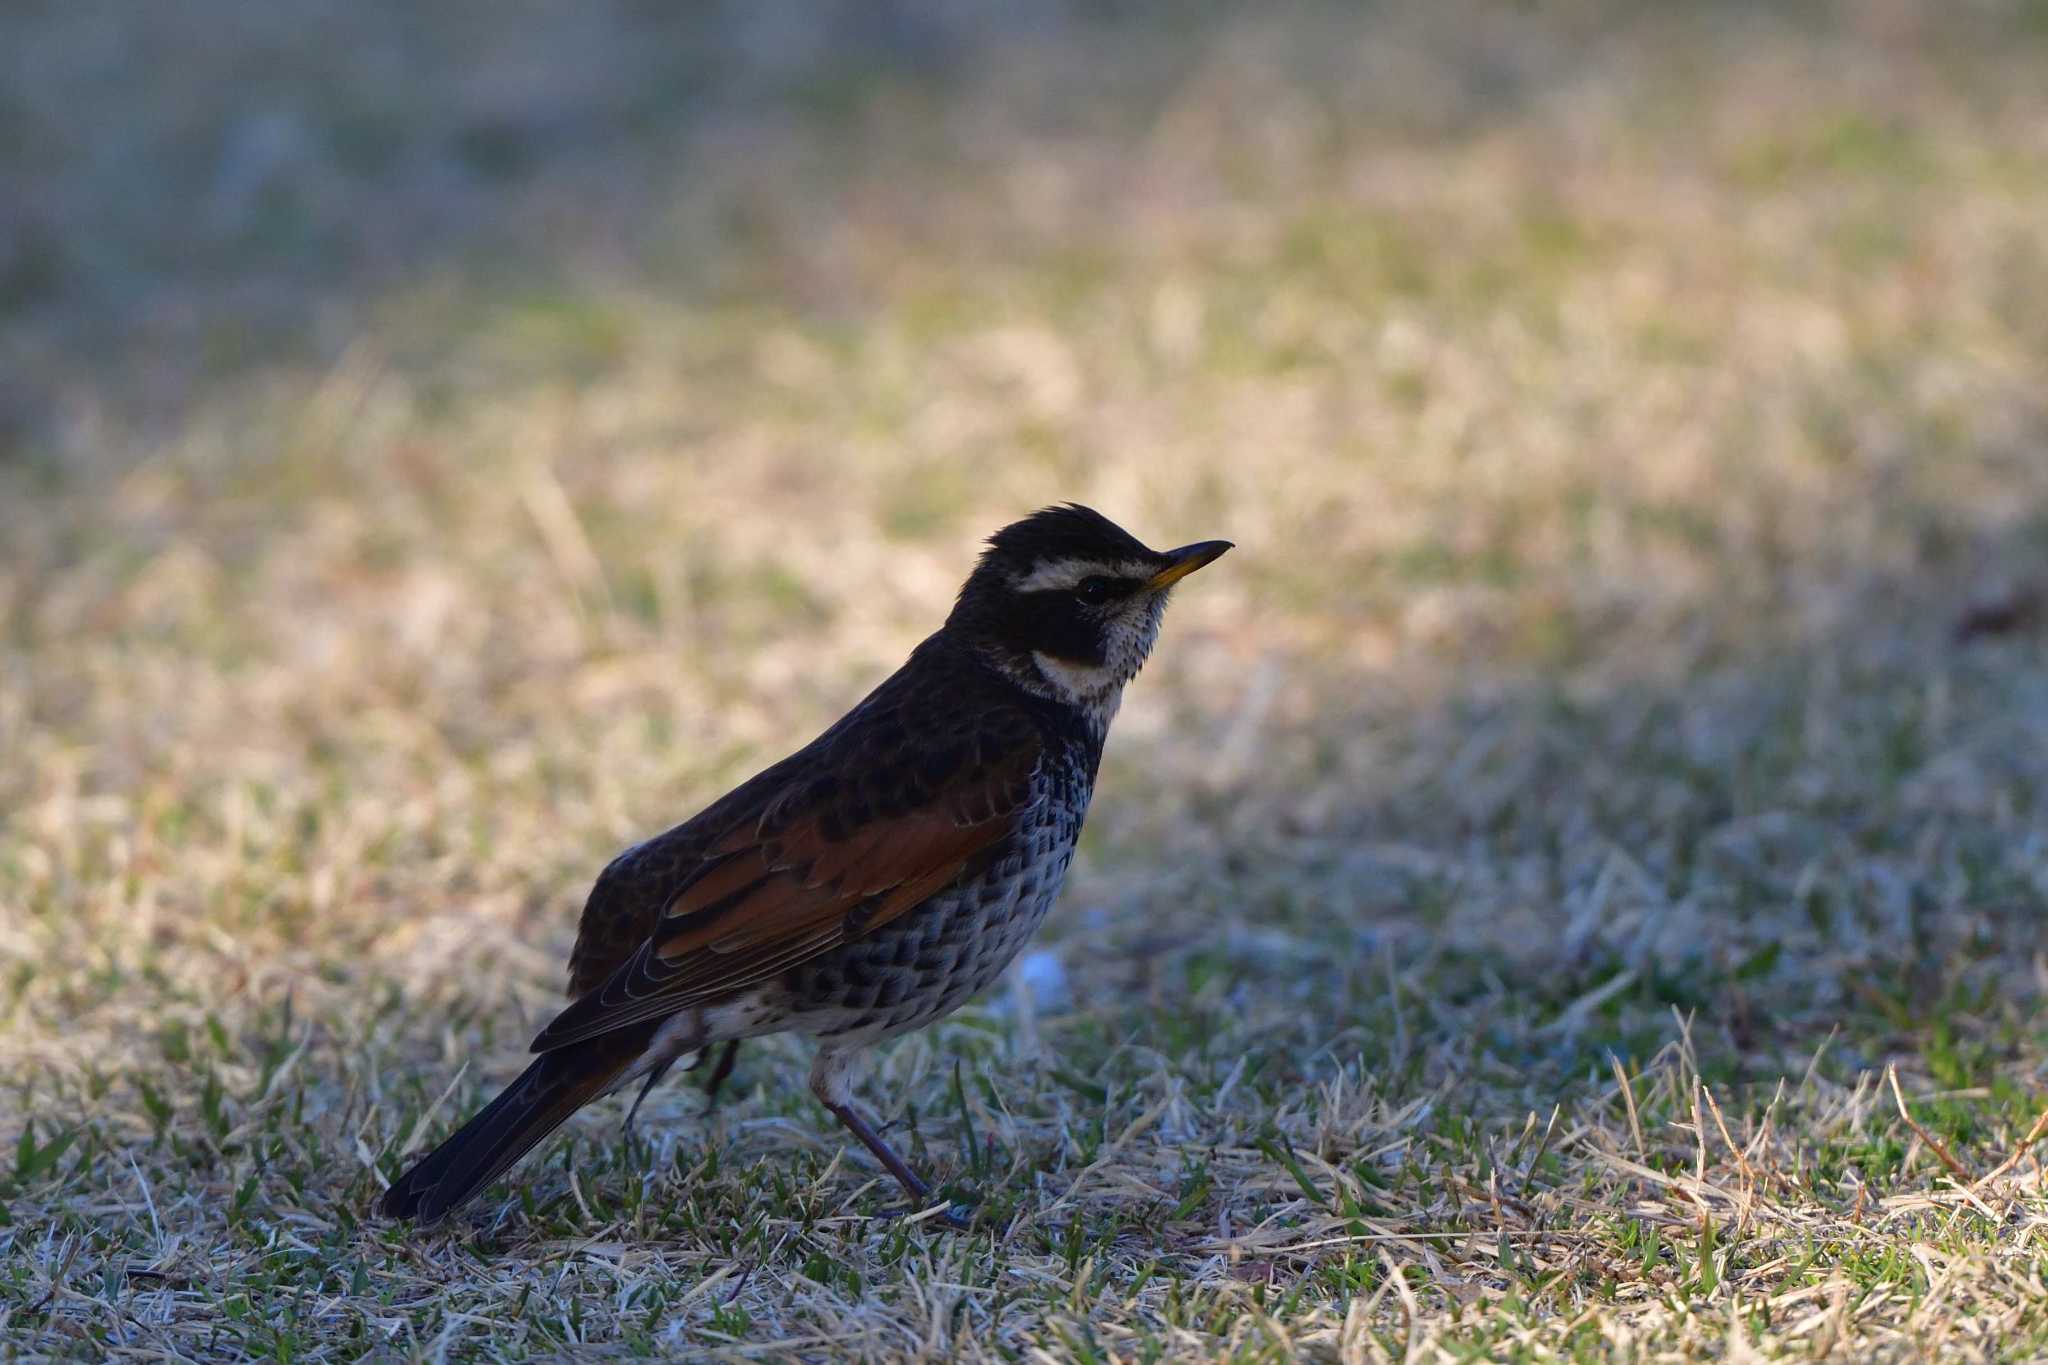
(868, 884)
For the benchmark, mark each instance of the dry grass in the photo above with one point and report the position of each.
(1512, 882)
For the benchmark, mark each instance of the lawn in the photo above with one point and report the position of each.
(1570, 885)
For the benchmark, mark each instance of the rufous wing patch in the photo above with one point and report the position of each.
(799, 880)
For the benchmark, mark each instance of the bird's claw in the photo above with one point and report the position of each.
(951, 1217)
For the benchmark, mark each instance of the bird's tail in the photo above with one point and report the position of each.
(547, 1093)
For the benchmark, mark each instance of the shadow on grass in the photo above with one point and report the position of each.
(210, 206)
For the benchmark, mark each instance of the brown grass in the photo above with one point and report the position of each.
(1565, 887)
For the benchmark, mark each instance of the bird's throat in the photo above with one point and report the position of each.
(1096, 690)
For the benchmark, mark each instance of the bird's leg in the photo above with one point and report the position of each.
(829, 1082)
(719, 1073)
(653, 1079)
(919, 1192)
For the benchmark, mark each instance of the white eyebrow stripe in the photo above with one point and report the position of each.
(1065, 573)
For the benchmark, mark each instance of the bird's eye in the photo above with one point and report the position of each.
(1092, 589)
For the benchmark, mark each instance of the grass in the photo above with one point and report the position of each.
(1565, 888)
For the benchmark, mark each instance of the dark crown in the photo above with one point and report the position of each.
(1068, 531)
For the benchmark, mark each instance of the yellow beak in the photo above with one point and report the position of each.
(1184, 561)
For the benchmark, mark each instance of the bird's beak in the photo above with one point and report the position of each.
(1184, 561)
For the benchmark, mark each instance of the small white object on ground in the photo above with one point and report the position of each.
(1043, 978)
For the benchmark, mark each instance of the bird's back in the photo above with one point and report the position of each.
(942, 719)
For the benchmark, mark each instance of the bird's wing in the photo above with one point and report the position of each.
(884, 811)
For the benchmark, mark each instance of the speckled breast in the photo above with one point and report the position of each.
(939, 955)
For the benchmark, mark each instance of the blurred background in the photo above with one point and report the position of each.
(440, 442)
(443, 441)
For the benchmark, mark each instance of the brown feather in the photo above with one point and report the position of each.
(802, 862)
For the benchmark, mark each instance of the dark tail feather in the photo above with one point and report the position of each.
(506, 1129)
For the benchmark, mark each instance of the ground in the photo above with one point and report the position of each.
(1569, 885)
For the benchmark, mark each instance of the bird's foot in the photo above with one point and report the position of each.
(922, 1196)
(951, 1217)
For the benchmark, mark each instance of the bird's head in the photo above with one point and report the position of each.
(1067, 603)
